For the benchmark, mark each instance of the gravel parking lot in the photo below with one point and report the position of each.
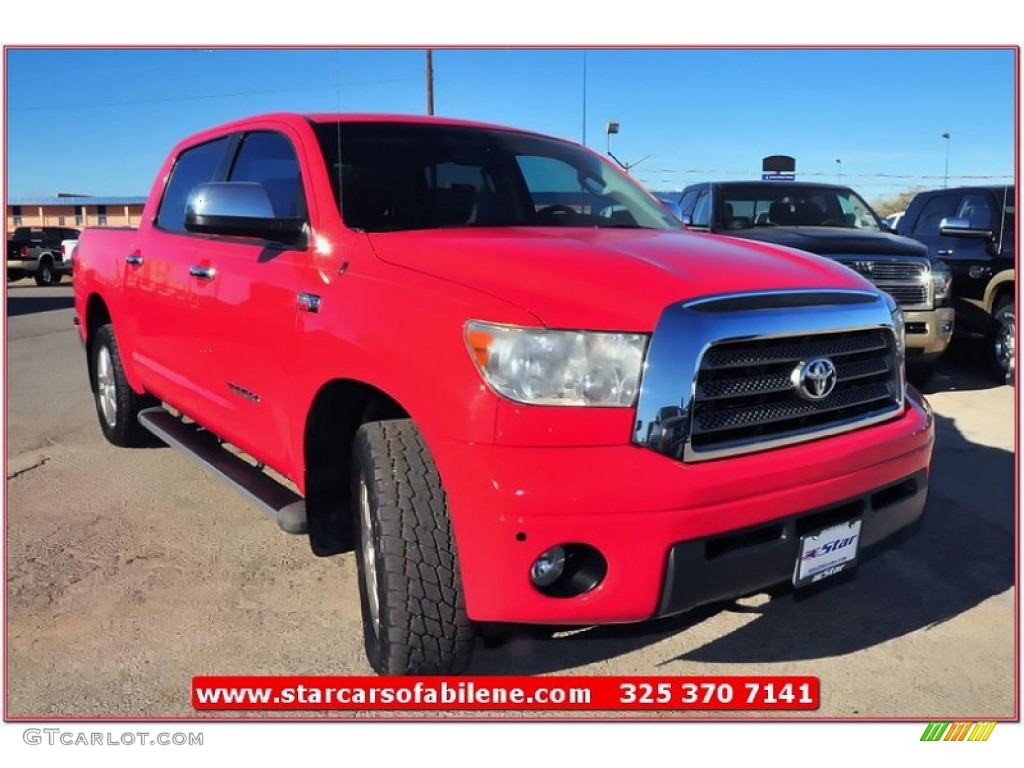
(131, 571)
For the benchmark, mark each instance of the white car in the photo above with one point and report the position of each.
(67, 248)
(893, 219)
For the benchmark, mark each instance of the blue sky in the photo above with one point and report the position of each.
(101, 121)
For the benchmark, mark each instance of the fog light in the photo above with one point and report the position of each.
(548, 567)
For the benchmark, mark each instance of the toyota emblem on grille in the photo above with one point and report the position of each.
(815, 379)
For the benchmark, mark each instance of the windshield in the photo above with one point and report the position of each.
(787, 205)
(401, 176)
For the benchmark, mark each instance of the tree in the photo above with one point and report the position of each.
(886, 205)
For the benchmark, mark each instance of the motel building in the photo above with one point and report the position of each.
(76, 211)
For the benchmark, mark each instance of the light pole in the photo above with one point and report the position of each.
(840, 164)
(584, 141)
(945, 176)
(609, 129)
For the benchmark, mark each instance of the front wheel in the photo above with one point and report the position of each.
(1003, 344)
(410, 587)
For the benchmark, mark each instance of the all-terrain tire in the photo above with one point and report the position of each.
(117, 404)
(410, 587)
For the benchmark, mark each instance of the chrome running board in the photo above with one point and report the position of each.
(285, 506)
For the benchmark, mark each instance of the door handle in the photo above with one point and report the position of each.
(942, 252)
(134, 260)
(203, 273)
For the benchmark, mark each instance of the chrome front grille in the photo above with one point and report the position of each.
(897, 270)
(906, 279)
(908, 296)
(729, 374)
(746, 394)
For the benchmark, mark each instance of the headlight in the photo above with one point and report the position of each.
(900, 332)
(942, 279)
(542, 367)
(898, 326)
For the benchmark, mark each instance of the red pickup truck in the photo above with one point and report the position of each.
(496, 368)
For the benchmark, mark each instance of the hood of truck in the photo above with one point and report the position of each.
(827, 241)
(605, 279)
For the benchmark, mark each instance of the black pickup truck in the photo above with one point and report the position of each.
(36, 252)
(972, 229)
(833, 221)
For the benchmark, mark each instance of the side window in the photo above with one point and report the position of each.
(269, 158)
(688, 201)
(196, 165)
(51, 238)
(934, 211)
(702, 210)
(976, 208)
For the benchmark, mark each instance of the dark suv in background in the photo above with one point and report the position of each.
(972, 230)
(833, 221)
(36, 251)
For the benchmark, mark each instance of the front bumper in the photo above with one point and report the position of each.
(928, 333)
(643, 511)
(702, 571)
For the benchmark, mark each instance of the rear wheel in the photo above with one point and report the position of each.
(117, 404)
(1003, 341)
(410, 587)
(46, 274)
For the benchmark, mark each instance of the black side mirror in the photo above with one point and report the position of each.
(239, 209)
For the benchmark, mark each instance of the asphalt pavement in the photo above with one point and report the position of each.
(131, 571)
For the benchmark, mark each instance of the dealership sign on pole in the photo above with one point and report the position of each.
(778, 168)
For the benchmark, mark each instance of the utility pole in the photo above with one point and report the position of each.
(430, 81)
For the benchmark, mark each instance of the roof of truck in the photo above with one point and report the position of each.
(366, 117)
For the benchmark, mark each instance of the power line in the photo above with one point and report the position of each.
(675, 178)
(166, 99)
(748, 172)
